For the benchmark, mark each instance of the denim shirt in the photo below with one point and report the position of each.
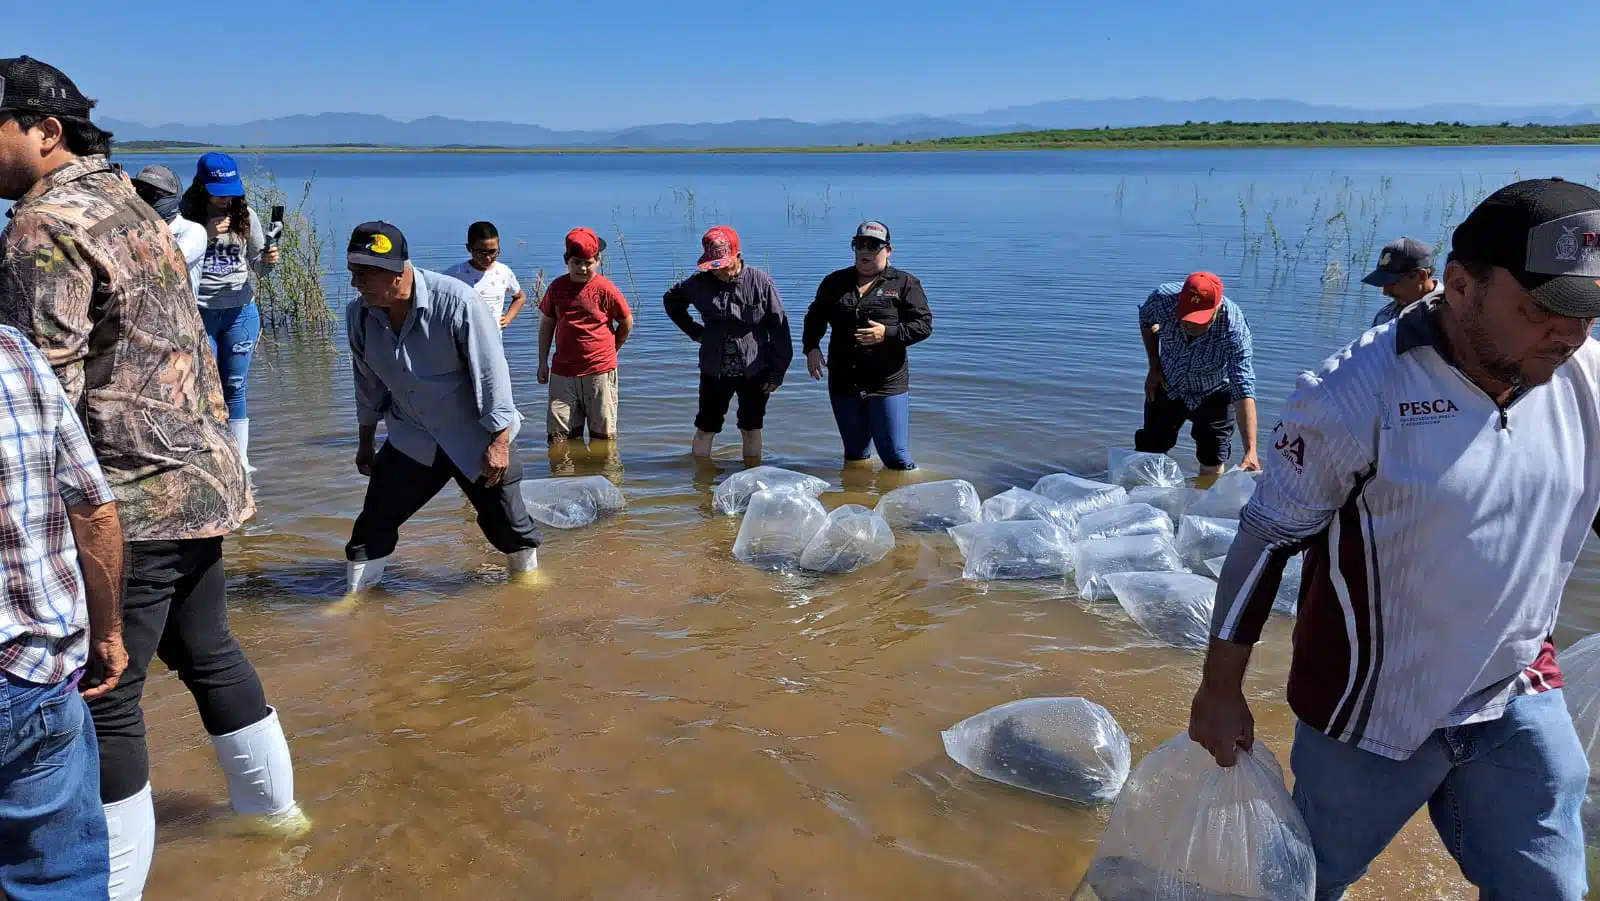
(442, 381)
(747, 314)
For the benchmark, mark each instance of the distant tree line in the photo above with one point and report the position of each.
(1228, 132)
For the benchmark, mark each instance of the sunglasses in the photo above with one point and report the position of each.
(872, 244)
(484, 252)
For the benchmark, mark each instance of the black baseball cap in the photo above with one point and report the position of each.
(29, 86)
(378, 244)
(1399, 259)
(874, 230)
(1546, 233)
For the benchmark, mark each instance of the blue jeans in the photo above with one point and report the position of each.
(53, 844)
(233, 335)
(868, 421)
(1504, 796)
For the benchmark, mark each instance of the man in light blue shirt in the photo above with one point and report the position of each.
(428, 363)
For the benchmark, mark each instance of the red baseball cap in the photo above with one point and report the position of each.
(1200, 298)
(720, 246)
(584, 244)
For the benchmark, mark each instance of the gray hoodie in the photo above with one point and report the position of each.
(225, 272)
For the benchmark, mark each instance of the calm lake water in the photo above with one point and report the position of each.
(659, 722)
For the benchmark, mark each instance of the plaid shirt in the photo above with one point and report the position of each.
(1198, 367)
(46, 466)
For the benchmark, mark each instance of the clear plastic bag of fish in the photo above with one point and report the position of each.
(1094, 560)
(1202, 537)
(1130, 469)
(1078, 496)
(1173, 607)
(1022, 504)
(1185, 829)
(1287, 600)
(852, 537)
(1580, 669)
(570, 502)
(1018, 549)
(1226, 496)
(733, 495)
(1172, 501)
(778, 525)
(1128, 519)
(1067, 748)
(931, 506)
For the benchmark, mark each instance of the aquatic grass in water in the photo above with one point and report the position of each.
(292, 295)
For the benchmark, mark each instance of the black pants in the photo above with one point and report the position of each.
(400, 486)
(1212, 428)
(717, 392)
(176, 608)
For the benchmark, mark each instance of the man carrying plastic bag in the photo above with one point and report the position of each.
(1424, 671)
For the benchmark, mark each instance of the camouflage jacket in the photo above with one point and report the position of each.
(93, 277)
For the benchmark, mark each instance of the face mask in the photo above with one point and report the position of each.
(167, 207)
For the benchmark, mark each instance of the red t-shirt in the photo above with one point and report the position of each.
(585, 343)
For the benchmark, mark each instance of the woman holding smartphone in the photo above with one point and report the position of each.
(875, 311)
(236, 254)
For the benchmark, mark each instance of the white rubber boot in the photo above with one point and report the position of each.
(260, 776)
(131, 826)
(523, 567)
(363, 574)
(241, 439)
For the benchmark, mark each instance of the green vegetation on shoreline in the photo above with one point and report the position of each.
(1157, 137)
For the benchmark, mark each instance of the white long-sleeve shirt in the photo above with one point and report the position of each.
(192, 241)
(1439, 531)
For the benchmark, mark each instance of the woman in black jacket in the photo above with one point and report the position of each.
(876, 311)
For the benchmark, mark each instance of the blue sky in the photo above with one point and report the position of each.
(610, 63)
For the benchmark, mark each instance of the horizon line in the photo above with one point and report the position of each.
(890, 118)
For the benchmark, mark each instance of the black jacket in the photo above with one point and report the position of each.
(748, 312)
(896, 301)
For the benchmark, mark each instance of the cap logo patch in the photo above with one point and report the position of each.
(380, 244)
(1385, 258)
(1567, 244)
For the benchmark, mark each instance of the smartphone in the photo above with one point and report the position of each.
(275, 230)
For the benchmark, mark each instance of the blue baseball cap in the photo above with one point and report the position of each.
(220, 174)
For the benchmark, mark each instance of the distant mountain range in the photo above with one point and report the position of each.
(438, 131)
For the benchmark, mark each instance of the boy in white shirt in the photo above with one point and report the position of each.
(492, 279)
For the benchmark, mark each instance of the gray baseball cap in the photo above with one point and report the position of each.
(1399, 259)
(873, 229)
(1546, 233)
(161, 178)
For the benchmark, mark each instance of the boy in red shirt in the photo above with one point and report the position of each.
(589, 320)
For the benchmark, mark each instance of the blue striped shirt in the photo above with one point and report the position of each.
(1198, 367)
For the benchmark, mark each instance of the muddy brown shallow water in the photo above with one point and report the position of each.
(655, 720)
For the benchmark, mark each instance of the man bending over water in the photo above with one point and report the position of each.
(1201, 372)
(428, 363)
